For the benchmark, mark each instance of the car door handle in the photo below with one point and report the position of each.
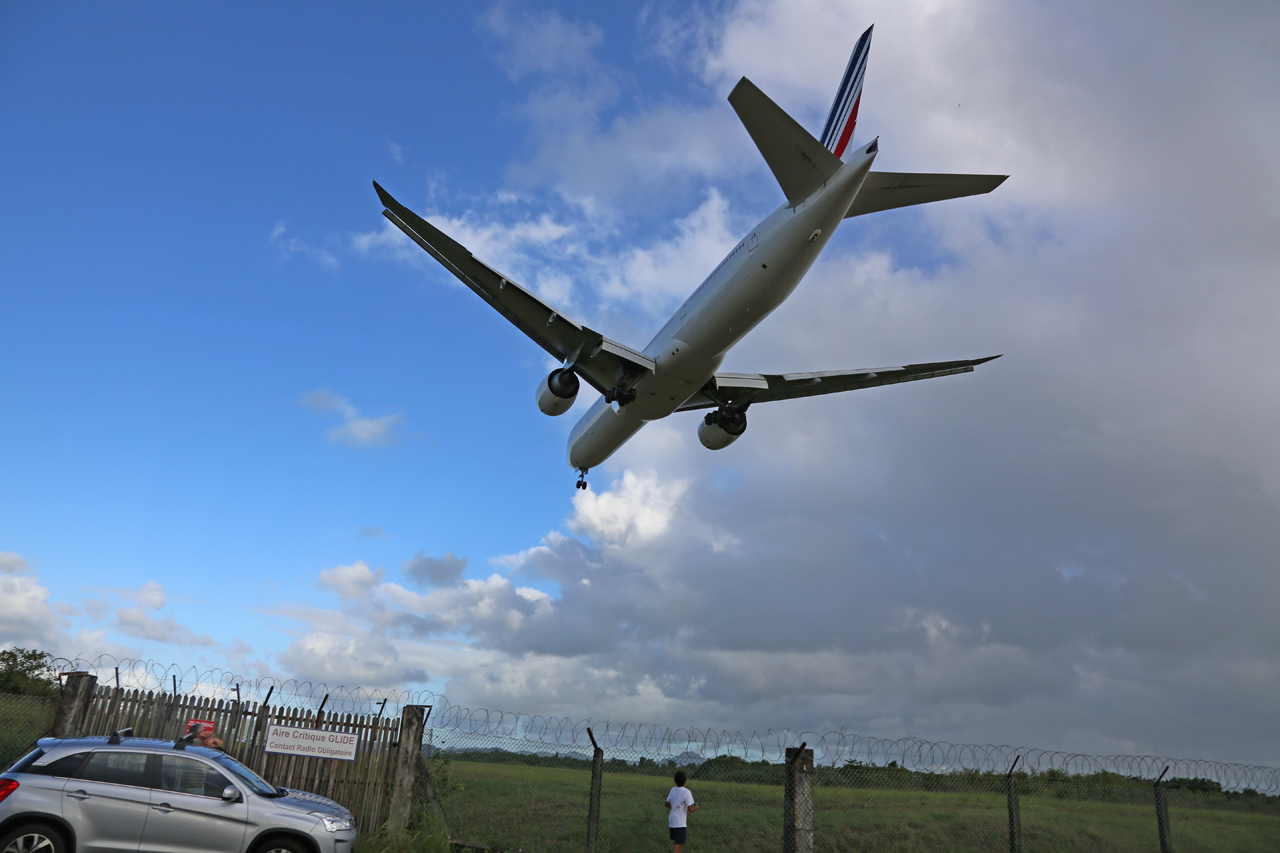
(164, 808)
(79, 795)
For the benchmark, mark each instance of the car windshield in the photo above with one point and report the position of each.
(255, 782)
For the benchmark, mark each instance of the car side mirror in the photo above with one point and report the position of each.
(231, 794)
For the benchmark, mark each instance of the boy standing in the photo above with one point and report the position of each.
(681, 803)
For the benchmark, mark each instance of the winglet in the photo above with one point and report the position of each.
(385, 197)
(844, 110)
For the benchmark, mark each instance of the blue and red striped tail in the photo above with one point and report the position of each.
(844, 112)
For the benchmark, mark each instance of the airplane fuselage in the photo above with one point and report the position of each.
(757, 276)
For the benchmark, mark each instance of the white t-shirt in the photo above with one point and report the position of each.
(680, 800)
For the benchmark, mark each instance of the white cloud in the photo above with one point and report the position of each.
(27, 617)
(288, 247)
(352, 581)
(135, 622)
(357, 429)
(1039, 552)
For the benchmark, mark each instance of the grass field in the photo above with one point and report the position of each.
(542, 809)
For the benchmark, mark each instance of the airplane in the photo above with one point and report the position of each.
(825, 181)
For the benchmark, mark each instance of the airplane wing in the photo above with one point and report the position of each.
(598, 360)
(739, 390)
(887, 190)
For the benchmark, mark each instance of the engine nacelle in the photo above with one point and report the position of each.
(719, 429)
(557, 392)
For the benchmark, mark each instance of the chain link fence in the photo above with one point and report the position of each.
(23, 719)
(524, 783)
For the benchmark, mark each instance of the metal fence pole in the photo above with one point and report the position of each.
(73, 710)
(1015, 810)
(797, 802)
(1162, 816)
(413, 720)
(597, 778)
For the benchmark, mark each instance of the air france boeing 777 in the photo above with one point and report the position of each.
(825, 182)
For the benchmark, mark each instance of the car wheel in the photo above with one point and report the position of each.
(274, 845)
(33, 838)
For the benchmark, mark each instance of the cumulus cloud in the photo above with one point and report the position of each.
(356, 429)
(351, 581)
(27, 617)
(434, 571)
(1041, 552)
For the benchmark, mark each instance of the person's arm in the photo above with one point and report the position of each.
(694, 808)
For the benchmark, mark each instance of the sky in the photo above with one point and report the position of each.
(247, 425)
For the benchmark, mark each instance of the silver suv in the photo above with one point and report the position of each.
(136, 795)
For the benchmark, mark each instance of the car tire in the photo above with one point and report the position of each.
(281, 844)
(33, 838)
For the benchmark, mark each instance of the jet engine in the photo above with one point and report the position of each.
(721, 428)
(557, 392)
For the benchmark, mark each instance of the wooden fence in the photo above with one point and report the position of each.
(363, 785)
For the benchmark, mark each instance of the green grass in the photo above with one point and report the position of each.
(542, 809)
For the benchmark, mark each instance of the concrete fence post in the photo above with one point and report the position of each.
(597, 780)
(797, 802)
(1162, 816)
(413, 720)
(1015, 809)
(73, 710)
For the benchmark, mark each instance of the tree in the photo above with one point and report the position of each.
(27, 671)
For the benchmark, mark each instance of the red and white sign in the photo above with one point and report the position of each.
(208, 725)
(288, 740)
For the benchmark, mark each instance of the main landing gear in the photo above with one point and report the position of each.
(582, 479)
(620, 395)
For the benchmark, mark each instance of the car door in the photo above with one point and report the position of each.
(107, 801)
(188, 814)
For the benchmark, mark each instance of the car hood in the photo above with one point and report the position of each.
(304, 801)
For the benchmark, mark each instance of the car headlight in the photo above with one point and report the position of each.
(335, 824)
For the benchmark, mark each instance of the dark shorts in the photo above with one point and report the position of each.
(677, 833)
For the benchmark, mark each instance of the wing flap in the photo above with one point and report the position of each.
(739, 390)
(602, 362)
(888, 190)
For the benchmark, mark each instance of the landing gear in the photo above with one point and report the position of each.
(582, 479)
(620, 395)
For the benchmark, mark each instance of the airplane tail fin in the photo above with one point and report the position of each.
(844, 111)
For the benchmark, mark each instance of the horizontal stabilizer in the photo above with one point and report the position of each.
(799, 162)
(739, 390)
(887, 190)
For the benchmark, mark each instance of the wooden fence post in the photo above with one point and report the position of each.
(797, 803)
(73, 710)
(597, 778)
(413, 719)
(1015, 811)
(1162, 816)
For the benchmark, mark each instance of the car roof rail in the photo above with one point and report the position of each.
(189, 738)
(120, 733)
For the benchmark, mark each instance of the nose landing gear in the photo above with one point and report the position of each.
(582, 479)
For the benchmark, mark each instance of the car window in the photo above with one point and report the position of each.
(189, 776)
(118, 768)
(64, 766)
(255, 782)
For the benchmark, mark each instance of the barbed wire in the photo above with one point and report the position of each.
(631, 741)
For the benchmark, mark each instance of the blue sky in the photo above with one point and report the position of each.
(246, 425)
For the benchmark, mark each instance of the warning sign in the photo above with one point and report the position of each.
(313, 742)
(206, 724)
